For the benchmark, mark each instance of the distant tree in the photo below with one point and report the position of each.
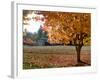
(63, 27)
(41, 34)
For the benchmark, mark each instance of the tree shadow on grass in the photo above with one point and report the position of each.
(81, 63)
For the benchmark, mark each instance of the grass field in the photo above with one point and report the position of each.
(53, 56)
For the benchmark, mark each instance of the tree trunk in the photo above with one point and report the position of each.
(78, 50)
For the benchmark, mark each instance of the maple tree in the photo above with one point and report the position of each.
(66, 27)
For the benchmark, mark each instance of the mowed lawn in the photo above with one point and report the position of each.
(53, 56)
